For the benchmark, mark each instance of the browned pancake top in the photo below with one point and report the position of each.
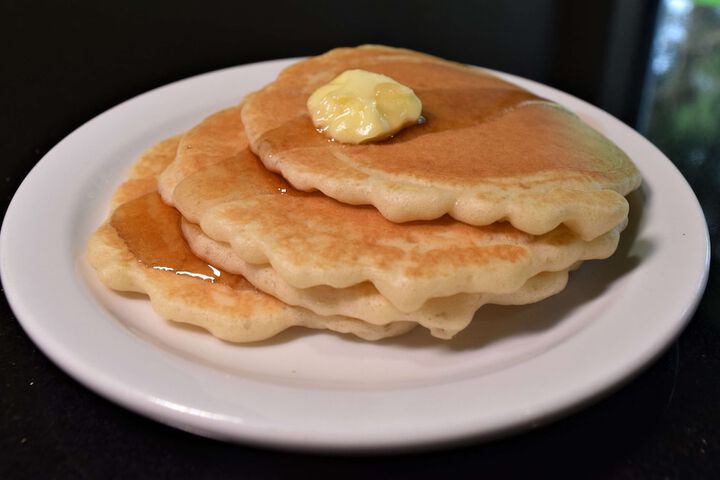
(478, 126)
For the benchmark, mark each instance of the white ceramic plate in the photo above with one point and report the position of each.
(515, 367)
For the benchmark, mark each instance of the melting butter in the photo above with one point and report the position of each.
(360, 106)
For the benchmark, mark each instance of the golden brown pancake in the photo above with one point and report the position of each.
(220, 135)
(444, 317)
(140, 248)
(489, 151)
(312, 240)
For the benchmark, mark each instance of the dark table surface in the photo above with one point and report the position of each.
(663, 424)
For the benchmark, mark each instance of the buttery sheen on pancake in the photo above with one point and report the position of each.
(489, 151)
(312, 240)
(140, 248)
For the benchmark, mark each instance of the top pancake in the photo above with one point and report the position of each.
(489, 150)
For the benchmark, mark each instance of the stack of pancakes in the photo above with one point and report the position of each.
(252, 221)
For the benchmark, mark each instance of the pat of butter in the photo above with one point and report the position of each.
(360, 106)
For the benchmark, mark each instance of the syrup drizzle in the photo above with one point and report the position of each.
(151, 231)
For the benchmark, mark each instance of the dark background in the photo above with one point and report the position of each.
(65, 62)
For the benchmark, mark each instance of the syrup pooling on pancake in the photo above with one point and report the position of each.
(141, 249)
(445, 110)
(489, 150)
(151, 231)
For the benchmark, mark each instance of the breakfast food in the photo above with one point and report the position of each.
(222, 137)
(140, 248)
(360, 106)
(217, 238)
(489, 151)
(312, 240)
(444, 317)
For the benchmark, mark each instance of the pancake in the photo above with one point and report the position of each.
(312, 240)
(140, 248)
(489, 150)
(220, 135)
(444, 317)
